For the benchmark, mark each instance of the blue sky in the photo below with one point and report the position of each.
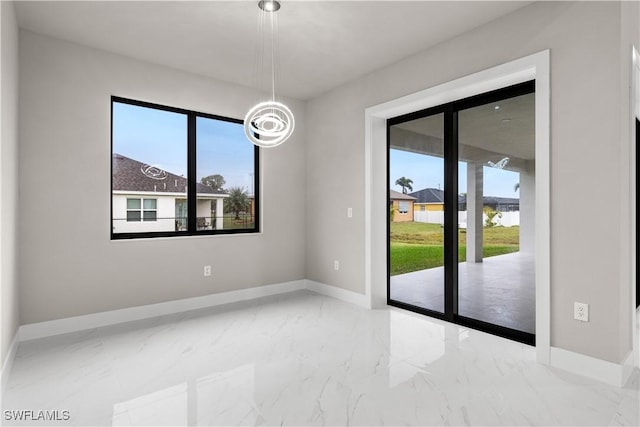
(428, 172)
(223, 148)
(159, 138)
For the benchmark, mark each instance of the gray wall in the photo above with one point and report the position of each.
(68, 266)
(8, 177)
(586, 157)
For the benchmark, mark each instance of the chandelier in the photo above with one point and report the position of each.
(269, 123)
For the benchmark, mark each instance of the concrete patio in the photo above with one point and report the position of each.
(499, 290)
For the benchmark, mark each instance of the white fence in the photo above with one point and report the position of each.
(505, 219)
(431, 217)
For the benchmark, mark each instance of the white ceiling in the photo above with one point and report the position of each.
(322, 44)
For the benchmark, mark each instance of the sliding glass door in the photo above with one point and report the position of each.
(496, 281)
(461, 212)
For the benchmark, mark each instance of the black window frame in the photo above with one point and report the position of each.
(191, 196)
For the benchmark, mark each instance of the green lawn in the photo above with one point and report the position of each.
(418, 246)
(231, 223)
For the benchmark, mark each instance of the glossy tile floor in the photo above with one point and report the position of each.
(500, 290)
(303, 359)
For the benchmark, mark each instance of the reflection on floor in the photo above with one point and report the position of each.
(302, 359)
(499, 290)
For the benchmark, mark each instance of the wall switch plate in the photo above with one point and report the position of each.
(581, 311)
(207, 270)
(336, 265)
(349, 212)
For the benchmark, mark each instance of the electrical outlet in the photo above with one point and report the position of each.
(336, 265)
(581, 311)
(207, 270)
(349, 212)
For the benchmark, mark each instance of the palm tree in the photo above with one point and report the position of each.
(404, 183)
(238, 201)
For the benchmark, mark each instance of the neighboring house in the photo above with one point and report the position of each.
(432, 199)
(402, 206)
(428, 199)
(147, 198)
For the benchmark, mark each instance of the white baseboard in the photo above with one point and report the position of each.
(338, 293)
(107, 318)
(601, 370)
(627, 368)
(7, 363)
(95, 320)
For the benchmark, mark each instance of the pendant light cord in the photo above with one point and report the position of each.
(273, 59)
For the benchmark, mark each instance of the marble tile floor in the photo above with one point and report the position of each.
(500, 290)
(302, 359)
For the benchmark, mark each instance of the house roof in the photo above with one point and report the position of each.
(428, 195)
(396, 195)
(493, 200)
(434, 195)
(131, 175)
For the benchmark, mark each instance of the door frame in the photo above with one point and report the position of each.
(533, 67)
(634, 140)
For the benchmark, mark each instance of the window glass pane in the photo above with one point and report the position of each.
(149, 215)
(496, 180)
(181, 214)
(150, 159)
(133, 216)
(416, 173)
(149, 203)
(133, 203)
(225, 174)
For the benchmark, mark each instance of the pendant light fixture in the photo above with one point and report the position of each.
(269, 123)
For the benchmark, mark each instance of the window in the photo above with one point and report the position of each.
(141, 210)
(176, 172)
(403, 207)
